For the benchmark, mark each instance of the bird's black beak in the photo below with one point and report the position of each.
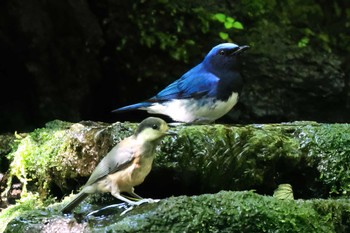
(240, 49)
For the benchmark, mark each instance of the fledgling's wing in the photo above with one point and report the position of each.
(117, 159)
(196, 83)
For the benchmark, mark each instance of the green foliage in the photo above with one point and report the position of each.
(309, 34)
(307, 23)
(336, 212)
(177, 37)
(258, 8)
(303, 42)
(168, 36)
(229, 23)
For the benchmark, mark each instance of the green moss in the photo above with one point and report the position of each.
(225, 211)
(233, 212)
(237, 157)
(48, 156)
(27, 204)
(328, 147)
(33, 157)
(312, 157)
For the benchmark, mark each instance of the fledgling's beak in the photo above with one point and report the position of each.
(171, 133)
(240, 49)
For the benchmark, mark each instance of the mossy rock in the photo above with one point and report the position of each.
(225, 211)
(311, 157)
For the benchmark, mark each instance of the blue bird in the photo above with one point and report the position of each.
(203, 94)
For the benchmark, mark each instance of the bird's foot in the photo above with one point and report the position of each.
(127, 210)
(140, 202)
(108, 209)
(145, 200)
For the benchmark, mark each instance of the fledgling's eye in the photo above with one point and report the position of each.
(155, 126)
(222, 52)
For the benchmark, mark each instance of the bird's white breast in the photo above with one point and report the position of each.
(192, 110)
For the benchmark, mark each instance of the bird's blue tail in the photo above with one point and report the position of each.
(133, 107)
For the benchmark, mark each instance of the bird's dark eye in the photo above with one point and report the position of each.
(155, 126)
(222, 52)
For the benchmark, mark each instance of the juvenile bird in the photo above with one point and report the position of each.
(126, 165)
(203, 94)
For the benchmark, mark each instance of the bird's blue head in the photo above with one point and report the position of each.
(224, 56)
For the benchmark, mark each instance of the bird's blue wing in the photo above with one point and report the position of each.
(196, 83)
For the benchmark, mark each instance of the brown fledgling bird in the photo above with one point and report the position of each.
(126, 165)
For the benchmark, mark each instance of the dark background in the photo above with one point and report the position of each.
(78, 60)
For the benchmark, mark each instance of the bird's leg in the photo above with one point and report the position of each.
(120, 205)
(133, 195)
(136, 197)
(150, 200)
(130, 202)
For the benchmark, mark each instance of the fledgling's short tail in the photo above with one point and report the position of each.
(139, 106)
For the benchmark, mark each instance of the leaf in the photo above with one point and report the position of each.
(220, 17)
(324, 37)
(230, 19)
(190, 42)
(223, 35)
(237, 25)
(228, 25)
(303, 42)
